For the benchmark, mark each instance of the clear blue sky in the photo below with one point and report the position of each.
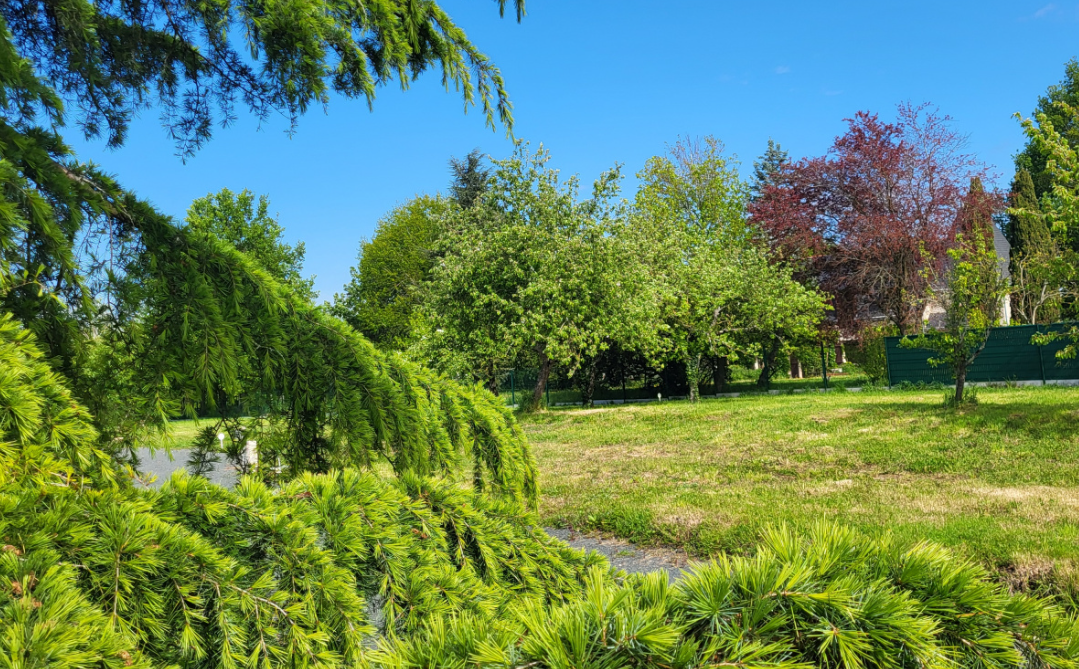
(604, 81)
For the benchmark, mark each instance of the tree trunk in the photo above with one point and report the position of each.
(960, 382)
(720, 370)
(769, 364)
(693, 377)
(491, 380)
(541, 379)
(590, 388)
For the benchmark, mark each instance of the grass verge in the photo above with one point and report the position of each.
(1000, 483)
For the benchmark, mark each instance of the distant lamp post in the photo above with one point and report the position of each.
(221, 440)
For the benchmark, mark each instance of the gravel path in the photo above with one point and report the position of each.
(161, 466)
(621, 554)
(624, 555)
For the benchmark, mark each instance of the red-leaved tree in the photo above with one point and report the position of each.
(866, 220)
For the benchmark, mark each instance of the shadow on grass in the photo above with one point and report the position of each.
(1021, 418)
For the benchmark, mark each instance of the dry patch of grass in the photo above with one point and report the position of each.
(1001, 482)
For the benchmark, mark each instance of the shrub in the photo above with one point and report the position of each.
(832, 598)
(868, 352)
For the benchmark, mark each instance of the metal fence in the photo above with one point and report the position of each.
(1008, 356)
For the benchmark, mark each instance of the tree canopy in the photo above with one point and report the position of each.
(246, 224)
(720, 294)
(200, 63)
(528, 271)
(1054, 105)
(863, 220)
(382, 297)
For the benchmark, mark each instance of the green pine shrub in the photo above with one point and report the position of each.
(832, 598)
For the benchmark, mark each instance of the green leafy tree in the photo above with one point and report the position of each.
(240, 220)
(1040, 268)
(386, 287)
(719, 294)
(528, 272)
(1054, 105)
(697, 188)
(1060, 204)
(972, 294)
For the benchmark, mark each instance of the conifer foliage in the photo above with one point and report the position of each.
(828, 599)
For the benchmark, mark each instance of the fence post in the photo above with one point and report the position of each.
(1041, 355)
(887, 362)
(823, 364)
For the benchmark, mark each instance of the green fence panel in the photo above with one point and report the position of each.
(1008, 356)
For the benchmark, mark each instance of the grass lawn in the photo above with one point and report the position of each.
(1000, 482)
(183, 432)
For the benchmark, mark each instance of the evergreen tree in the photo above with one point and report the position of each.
(470, 178)
(158, 320)
(206, 60)
(767, 167)
(1029, 231)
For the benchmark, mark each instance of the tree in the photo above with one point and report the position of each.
(199, 62)
(718, 294)
(174, 320)
(1039, 268)
(470, 179)
(1041, 282)
(767, 168)
(529, 271)
(1034, 158)
(696, 187)
(866, 221)
(237, 219)
(972, 293)
(382, 297)
(1059, 206)
(1030, 233)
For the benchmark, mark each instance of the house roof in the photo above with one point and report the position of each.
(1004, 251)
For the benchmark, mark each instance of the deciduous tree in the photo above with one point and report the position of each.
(381, 299)
(972, 293)
(718, 293)
(529, 271)
(1059, 206)
(1035, 157)
(868, 219)
(240, 220)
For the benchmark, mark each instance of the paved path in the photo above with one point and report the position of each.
(161, 466)
(621, 554)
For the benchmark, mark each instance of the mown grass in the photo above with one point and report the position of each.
(183, 432)
(1000, 482)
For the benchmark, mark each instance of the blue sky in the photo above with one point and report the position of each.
(600, 82)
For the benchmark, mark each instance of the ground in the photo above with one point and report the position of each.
(1000, 482)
